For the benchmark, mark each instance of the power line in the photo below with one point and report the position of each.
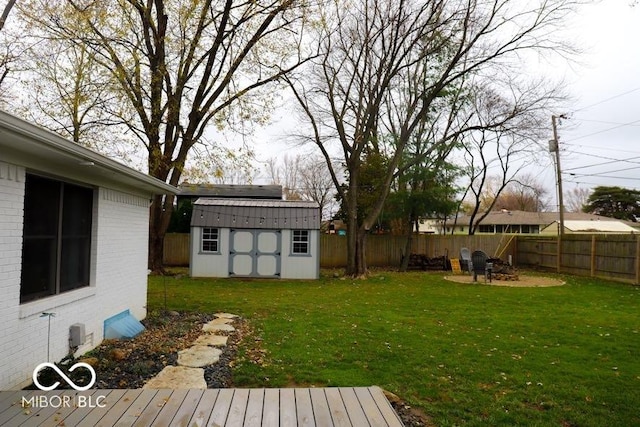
(601, 148)
(608, 99)
(603, 130)
(601, 173)
(610, 160)
(601, 121)
(610, 177)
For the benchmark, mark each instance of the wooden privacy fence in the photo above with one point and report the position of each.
(608, 256)
(176, 249)
(387, 251)
(615, 257)
(382, 250)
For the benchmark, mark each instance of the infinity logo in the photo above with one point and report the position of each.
(64, 377)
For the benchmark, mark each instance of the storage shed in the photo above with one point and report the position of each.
(255, 238)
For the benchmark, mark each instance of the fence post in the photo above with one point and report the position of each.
(638, 260)
(593, 255)
(559, 253)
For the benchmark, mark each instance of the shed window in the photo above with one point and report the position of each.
(210, 239)
(56, 250)
(300, 244)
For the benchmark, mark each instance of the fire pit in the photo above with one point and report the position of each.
(502, 270)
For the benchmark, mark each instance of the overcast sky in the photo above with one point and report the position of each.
(600, 141)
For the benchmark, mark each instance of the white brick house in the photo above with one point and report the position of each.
(73, 241)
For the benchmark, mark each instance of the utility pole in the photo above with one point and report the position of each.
(554, 147)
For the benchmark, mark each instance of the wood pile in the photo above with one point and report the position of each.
(502, 270)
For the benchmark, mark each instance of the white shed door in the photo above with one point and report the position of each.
(255, 253)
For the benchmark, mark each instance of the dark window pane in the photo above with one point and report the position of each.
(210, 240)
(57, 234)
(77, 211)
(38, 268)
(74, 264)
(75, 259)
(41, 206)
(300, 241)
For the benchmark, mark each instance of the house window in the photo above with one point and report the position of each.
(56, 249)
(486, 228)
(210, 240)
(300, 243)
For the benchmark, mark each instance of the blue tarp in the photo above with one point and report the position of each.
(122, 325)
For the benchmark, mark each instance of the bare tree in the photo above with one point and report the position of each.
(286, 172)
(181, 66)
(576, 199)
(5, 12)
(370, 48)
(495, 157)
(303, 178)
(523, 193)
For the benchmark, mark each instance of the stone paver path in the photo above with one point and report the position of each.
(190, 373)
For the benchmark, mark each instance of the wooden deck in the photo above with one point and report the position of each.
(340, 406)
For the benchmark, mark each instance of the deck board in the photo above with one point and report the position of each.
(321, 412)
(271, 408)
(304, 408)
(203, 411)
(370, 407)
(353, 407)
(337, 409)
(253, 417)
(108, 398)
(221, 408)
(153, 408)
(11, 407)
(170, 408)
(238, 407)
(288, 408)
(343, 406)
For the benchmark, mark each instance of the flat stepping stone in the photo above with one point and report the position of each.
(178, 377)
(226, 315)
(220, 321)
(212, 340)
(217, 327)
(199, 356)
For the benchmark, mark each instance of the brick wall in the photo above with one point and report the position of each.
(118, 280)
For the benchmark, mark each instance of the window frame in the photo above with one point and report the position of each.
(300, 238)
(72, 219)
(210, 240)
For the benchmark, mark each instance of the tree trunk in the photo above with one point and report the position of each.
(159, 217)
(361, 255)
(356, 253)
(404, 265)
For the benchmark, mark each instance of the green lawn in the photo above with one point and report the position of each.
(466, 354)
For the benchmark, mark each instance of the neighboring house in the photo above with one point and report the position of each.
(73, 242)
(193, 192)
(522, 222)
(429, 226)
(590, 227)
(255, 238)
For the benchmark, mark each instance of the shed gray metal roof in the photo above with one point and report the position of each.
(256, 214)
(231, 191)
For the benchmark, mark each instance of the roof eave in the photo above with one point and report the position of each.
(34, 137)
